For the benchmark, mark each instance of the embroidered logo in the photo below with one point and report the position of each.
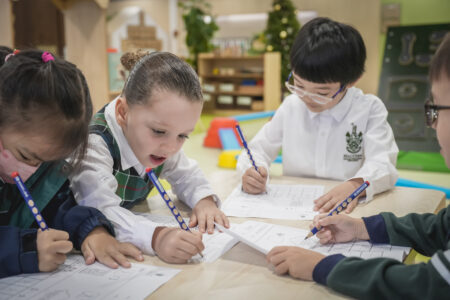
(354, 142)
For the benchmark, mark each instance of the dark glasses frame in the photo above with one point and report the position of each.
(432, 112)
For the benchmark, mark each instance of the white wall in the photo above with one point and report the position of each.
(124, 13)
(364, 15)
(6, 25)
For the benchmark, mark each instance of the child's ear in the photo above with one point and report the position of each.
(122, 111)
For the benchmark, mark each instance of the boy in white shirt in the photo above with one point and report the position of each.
(327, 128)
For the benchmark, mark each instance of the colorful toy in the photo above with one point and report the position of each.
(212, 138)
(228, 159)
(222, 134)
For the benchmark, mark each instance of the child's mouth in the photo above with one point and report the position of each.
(157, 160)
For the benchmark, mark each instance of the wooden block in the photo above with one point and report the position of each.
(133, 45)
(141, 32)
(258, 105)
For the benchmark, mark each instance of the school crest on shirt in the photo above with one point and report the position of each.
(354, 144)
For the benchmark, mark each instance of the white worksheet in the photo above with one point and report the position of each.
(76, 280)
(216, 244)
(282, 201)
(264, 236)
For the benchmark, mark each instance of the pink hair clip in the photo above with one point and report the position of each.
(47, 56)
(11, 54)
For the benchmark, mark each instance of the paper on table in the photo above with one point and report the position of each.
(264, 236)
(282, 201)
(216, 244)
(76, 280)
(241, 238)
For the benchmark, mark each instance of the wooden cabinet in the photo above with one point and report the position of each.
(243, 82)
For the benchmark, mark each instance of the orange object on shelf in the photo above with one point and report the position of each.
(212, 138)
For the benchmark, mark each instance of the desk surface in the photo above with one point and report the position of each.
(242, 273)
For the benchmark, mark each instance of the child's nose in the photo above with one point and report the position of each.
(170, 146)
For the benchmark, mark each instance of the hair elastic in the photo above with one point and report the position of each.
(11, 54)
(47, 56)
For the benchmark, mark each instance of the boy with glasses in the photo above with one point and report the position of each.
(428, 234)
(327, 128)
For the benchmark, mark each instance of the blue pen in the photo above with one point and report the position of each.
(29, 201)
(246, 147)
(341, 206)
(168, 201)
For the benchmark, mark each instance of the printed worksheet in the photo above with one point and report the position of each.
(264, 236)
(216, 244)
(282, 201)
(76, 280)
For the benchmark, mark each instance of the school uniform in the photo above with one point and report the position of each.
(384, 278)
(352, 139)
(49, 188)
(112, 179)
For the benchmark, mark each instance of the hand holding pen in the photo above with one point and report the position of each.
(175, 212)
(341, 206)
(254, 179)
(51, 244)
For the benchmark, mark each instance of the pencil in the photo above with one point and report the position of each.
(29, 201)
(246, 147)
(168, 201)
(341, 206)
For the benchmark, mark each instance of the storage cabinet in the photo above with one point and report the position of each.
(241, 82)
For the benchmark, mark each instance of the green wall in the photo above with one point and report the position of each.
(417, 12)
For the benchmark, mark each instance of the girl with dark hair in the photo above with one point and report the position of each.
(146, 126)
(45, 108)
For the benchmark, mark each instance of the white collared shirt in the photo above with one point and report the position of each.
(95, 185)
(328, 144)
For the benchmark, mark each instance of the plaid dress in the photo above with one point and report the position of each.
(131, 187)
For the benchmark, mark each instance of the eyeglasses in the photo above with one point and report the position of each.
(432, 112)
(319, 99)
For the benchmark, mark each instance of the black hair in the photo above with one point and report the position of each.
(51, 97)
(326, 51)
(157, 71)
(440, 64)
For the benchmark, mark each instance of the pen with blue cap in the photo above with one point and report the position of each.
(246, 147)
(29, 201)
(341, 206)
(168, 201)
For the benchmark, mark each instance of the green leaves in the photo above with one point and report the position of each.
(200, 27)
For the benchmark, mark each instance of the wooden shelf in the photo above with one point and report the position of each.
(208, 56)
(269, 64)
(236, 76)
(236, 93)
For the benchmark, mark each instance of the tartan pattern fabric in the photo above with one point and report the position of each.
(131, 187)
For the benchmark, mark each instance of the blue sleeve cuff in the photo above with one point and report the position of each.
(95, 220)
(376, 227)
(28, 253)
(324, 267)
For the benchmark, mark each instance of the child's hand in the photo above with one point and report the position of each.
(174, 245)
(339, 229)
(205, 213)
(52, 246)
(338, 194)
(296, 261)
(254, 182)
(100, 245)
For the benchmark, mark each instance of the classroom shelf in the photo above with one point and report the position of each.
(241, 73)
